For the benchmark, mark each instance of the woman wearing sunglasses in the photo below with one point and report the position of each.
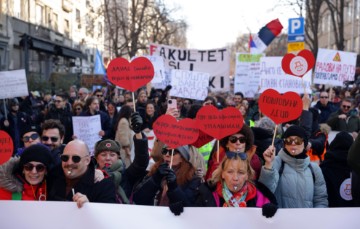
(242, 141)
(24, 178)
(295, 181)
(174, 187)
(231, 186)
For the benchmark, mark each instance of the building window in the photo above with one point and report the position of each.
(67, 28)
(78, 19)
(39, 16)
(100, 28)
(17, 8)
(54, 22)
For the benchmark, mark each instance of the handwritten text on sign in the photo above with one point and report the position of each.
(216, 62)
(333, 67)
(219, 123)
(280, 108)
(13, 84)
(87, 129)
(187, 84)
(6, 147)
(175, 133)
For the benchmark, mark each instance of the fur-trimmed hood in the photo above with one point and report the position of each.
(8, 179)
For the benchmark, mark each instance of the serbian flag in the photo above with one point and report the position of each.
(266, 35)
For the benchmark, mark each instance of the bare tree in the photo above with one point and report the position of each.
(132, 26)
(336, 8)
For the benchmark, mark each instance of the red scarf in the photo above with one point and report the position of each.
(249, 187)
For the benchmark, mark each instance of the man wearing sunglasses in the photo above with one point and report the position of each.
(73, 180)
(52, 135)
(345, 119)
(29, 136)
(325, 106)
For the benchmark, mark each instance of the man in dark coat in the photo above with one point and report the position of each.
(74, 180)
(325, 106)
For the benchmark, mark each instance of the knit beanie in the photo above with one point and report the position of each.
(295, 130)
(37, 153)
(183, 150)
(107, 145)
(29, 128)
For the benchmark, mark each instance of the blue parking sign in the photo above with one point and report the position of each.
(296, 26)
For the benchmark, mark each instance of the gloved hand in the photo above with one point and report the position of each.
(269, 210)
(160, 173)
(136, 122)
(176, 208)
(171, 179)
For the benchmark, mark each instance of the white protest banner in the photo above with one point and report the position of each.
(216, 62)
(13, 84)
(247, 74)
(189, 84)
(87, 128)
(159, 68)
(273, 77)
(333, 67)
(60, 215)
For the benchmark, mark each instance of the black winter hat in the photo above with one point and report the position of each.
(107, 145)
(13, 102)
(342, 141)
(38, 153)
(295, 130)
(29, 128)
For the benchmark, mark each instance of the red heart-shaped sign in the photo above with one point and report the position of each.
(6, 147)
(298, 65)
(202, 139)
(175, 133)
(130, 76)
(280, 108)
(219, 123)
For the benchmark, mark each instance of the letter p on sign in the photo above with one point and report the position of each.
(296, 26)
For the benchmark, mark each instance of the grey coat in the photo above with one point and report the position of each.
(296, 187)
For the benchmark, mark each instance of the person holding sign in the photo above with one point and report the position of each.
(174, 187)
(24, 178)
(295, 181)
(232, 185)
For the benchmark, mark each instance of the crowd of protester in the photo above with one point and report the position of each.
(296, 169)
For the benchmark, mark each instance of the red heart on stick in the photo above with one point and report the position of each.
(280, 108)
(298, 65)
(130, 76)
(202, 139)
(219, 123)
(6, 147)
(175, 133)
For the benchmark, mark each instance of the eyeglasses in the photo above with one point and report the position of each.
(231, 155)
(57, 101)
(74, 158)
(46, 138)
(78, 108)
(296, 140)
(39, 168)
(346, 107)
(234, 139)
(324, 97)
(33, 137)
(99, 95)
(168, 151)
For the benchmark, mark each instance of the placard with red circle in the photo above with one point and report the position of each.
(130, 76)
(298, 65)
(175, 133)
(280, 108)
(6, 147)
(219, 123)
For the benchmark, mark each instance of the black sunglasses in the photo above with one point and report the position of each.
(46, 138)
(78, 109)
(98, 95)
(324, 97)
(346, 107)
(168, 151)
(74, 158)
(234, 139)
(39, 168)
(296, 140)
(231, 155)
(33, 137)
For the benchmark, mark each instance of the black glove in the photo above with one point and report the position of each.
(136, 122)
(171, 179)
(269, 210)
(160, 173)
(176, 208)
